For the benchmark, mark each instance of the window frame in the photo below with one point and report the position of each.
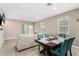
(28, 26)
(62, 19)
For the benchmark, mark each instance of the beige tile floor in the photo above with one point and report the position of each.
(8, 49)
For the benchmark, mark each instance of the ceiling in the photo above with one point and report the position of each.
(35, 11)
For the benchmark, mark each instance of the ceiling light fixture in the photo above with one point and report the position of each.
(49, 4)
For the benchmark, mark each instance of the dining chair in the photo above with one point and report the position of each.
(70, 45)
(61, 50)
(40, 36)
(62, 35)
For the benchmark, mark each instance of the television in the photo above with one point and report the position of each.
(2, 18)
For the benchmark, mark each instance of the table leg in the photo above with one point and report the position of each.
(39, 48)
(44, 50)
(49, 53)
(70, 52)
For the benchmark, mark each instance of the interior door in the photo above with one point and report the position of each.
(1, 37)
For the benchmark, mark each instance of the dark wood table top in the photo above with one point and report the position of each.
(49, 42)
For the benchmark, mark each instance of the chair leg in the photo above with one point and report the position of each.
(70, 52)
(39, 48)
(44, 53)
(48, 53)
(66, 54)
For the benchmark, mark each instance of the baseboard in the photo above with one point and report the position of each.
(26, 48)
(75, 46)
(13, 38)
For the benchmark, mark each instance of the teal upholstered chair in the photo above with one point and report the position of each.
(40, 36)
(62, 35)
(70, 45)
(46, 35)
(62, 49)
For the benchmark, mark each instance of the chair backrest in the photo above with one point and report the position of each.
(66, 45)
(46, 35)
(62, 35)
(63, 48)
(70, 43)
(40, 36)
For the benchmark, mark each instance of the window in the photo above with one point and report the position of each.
(42, 27)
(28, 29)
(63, 25)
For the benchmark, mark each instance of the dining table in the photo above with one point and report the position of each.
(48, 43)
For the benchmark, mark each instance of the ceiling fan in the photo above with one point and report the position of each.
(49, 4)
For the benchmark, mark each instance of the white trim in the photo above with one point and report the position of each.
(12, 38)
(75, 46)
(62, 19)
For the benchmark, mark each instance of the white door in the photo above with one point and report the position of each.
(1, 37)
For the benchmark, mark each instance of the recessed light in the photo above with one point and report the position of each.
(37, 17)
(54, 7)
(20, 12)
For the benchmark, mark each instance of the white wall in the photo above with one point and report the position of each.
(13, 28)
(52, 27)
